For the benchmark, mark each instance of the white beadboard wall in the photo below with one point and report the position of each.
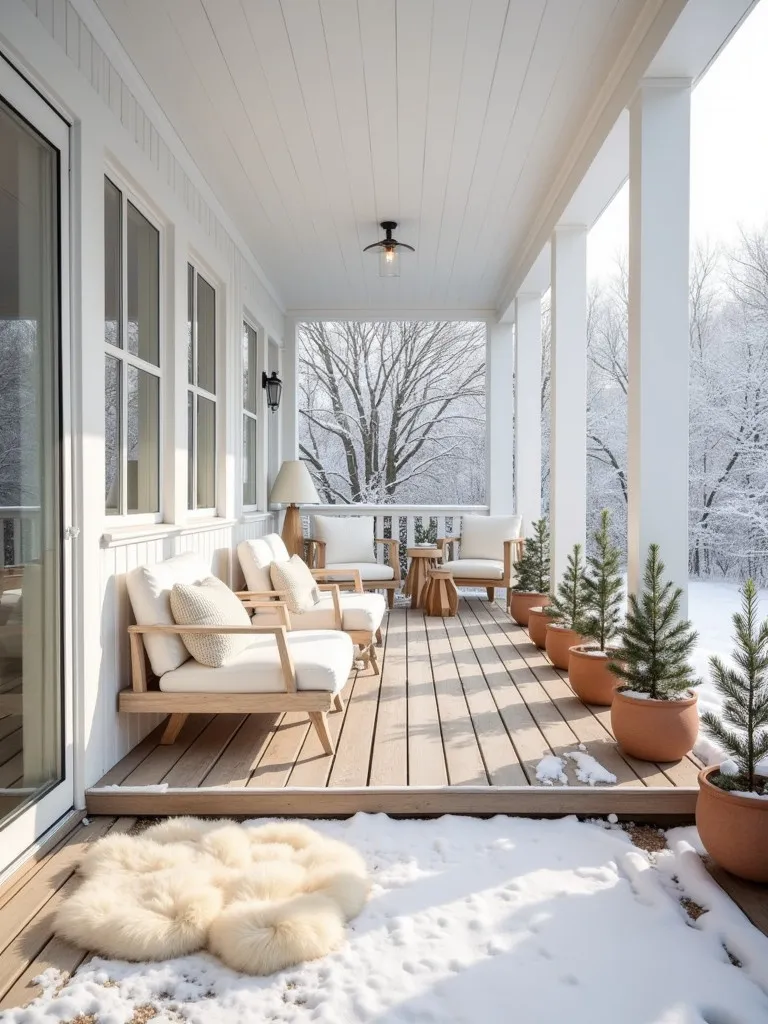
(114, 735)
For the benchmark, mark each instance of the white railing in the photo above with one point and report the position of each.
(408, 523)
(19, 534)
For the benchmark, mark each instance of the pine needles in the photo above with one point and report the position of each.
(532, 571)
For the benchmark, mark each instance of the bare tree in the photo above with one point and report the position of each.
(394, 410)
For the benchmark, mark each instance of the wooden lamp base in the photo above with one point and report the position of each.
(293, 531)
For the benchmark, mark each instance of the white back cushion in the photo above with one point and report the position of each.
(347, 538)
(294, 578)
(210, 603)
(149, 588)
(484, 536)
(256, 556)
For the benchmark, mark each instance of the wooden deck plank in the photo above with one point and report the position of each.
(120, 772)
(351, 763)
(56, 954)
(11, 771)
(751, 897)
(155, 766)
(194, 764)
(276, 763)
(237, 762)
(313, 765)
(426, 755)
(389, 758)
(499, 754)
(9, 724)
(58, 837)
(463, 757)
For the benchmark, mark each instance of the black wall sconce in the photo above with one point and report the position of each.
(274, 388)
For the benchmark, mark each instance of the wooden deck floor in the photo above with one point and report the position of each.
(457, 722)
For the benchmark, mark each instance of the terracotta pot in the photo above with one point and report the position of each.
(733, 829)
(521, 603)
(590, 677)
(654, 730)
(538, 620)
(558, 643)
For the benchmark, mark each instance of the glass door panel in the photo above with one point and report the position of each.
(32, 747)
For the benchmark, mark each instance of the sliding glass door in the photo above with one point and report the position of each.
(35, 732)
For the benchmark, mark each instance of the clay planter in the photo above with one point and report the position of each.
(733, 828)
(538, 620)
(521, 603)
(558, 643)
(590, 677)
(654, 730)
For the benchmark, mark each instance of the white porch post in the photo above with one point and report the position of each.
(289, 403)
(528, 409)
(658, 327)
(568, 430)
(499, 375)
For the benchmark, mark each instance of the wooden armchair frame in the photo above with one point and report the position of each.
(364, 639)
(140, 698)
(316, 558)
(513, 550)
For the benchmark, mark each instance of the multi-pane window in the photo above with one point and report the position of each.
(250, 410)
(132, 364)
(201, 391)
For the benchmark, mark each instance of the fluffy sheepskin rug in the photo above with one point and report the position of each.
(260, 898)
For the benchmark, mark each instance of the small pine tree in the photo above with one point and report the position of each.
(569, 605)
(743, 729)
(532, 571)
(604, 587)
(655, 643)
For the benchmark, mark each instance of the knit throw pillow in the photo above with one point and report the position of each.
(210, 603)
(297, 582)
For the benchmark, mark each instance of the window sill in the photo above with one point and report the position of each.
(253, 515)
(159, 531)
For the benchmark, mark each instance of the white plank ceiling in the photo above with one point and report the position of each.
(313, 120)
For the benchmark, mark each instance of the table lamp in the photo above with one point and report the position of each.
(294, 487)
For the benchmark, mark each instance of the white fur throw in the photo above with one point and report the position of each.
(260, 898)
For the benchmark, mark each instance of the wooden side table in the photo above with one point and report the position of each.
(422, 559)
(441, 596)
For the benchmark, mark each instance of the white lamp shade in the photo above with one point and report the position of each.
(294, 485)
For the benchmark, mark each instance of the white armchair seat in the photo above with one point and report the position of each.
(322, 659)
(475, 568)
(358, 612)
(368, 570)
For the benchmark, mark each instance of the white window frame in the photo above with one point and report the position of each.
(201, 270)
(126, 358)
(257, 417)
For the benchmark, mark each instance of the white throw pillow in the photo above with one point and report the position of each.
(210, 603)
(149, 588)
(256, 556)
(293, 577)
(347, 538)
(484, 536)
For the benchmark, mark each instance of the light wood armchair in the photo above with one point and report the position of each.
(316, 557)
(473, 572)
(145, 697)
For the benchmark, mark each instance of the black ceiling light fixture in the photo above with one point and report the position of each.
(389, 250)
(274, 388)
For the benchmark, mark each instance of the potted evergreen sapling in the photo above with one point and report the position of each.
(567, 608)
(653, 714)
(732, 807)
(588, 665)
(531, 586)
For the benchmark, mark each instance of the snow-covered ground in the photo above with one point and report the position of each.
(476, 922)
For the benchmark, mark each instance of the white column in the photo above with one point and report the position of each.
(528, 409)
(499, 377)
(658, 327)
(568, 430)
(289, 403)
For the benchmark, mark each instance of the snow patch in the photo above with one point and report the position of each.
(472, 920)
(589, 770)
(551, 769)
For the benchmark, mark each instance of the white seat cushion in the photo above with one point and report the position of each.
(149, 588)
(484, 536)
(367, 570)
(347, 538)
(358, 611)
(475, 568)
(322, 659)
(256, 556)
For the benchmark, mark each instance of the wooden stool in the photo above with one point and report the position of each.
(441, 597)
(422, 559)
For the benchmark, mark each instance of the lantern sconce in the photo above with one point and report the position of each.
(274, 388)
